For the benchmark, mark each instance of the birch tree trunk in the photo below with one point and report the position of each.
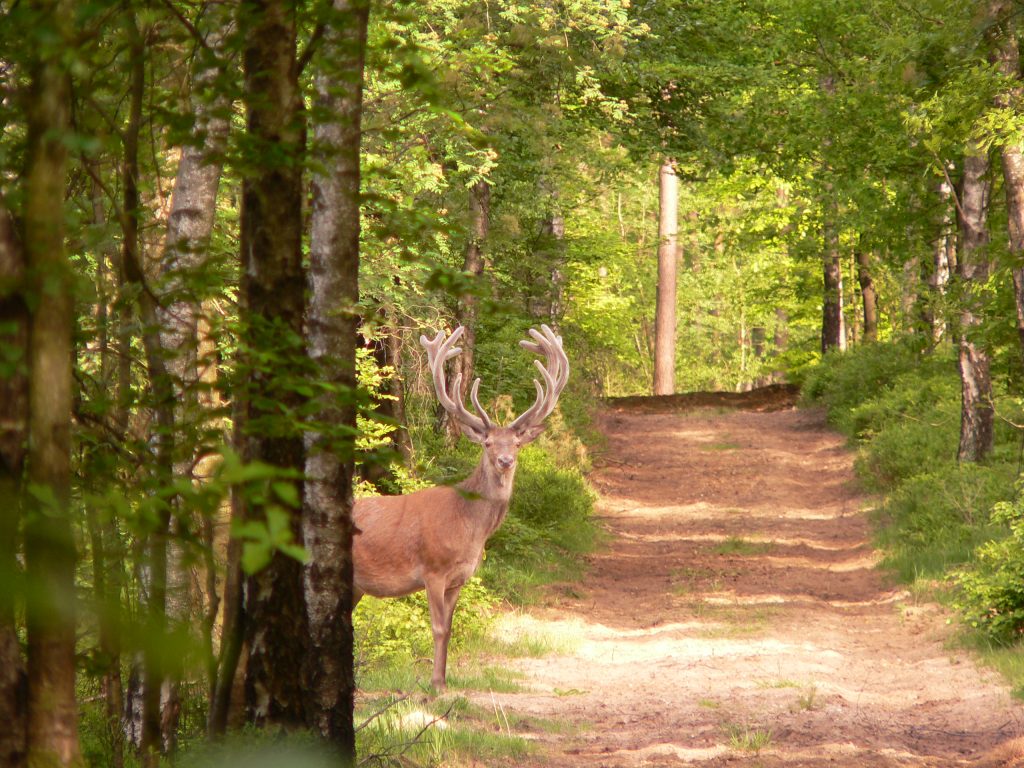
(185, 253)
(943, 261)
(162, 395)
(49, 541)
(976, 414)
(14, 322)
(272, 303)
(665, 301)
(332, 324)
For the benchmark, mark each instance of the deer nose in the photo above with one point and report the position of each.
(505, 461)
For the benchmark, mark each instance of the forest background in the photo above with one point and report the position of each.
(223, 226)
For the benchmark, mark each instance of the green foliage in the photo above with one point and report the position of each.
(395, 630)
(933, 521)
(992, 588)
(901, 407)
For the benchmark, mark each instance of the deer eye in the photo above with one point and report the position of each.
(488, 443)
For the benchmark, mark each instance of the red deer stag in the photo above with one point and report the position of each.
(434, 539)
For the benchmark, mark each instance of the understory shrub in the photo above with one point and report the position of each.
(932, 522)
(937, 517)
(991, 594)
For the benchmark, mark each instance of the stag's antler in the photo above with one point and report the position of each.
(439, 351)
(555, 375)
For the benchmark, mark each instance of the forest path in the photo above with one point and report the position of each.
(736, 616)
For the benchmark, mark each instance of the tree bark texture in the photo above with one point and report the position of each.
(665, 301)
(14, 323)
(189, 226)
(1008, 54)
(272, 307)
(833, 334)
(332, 323)
(868, 293)
(974, 266)
(943, 262)
(49, 542)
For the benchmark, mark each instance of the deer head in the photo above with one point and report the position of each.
(501, 443)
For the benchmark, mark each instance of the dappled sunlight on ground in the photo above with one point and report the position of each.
(737, 614)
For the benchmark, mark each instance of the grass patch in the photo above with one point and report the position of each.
(486, 678)
(447, 731)
(808, 700)
(773, 684)
(737, 545)
(746, 738)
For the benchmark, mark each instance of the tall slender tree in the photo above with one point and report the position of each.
(973, 268)
(332, 324)
(14, 321)
(49, 542)
(668, 256)
(272, 306)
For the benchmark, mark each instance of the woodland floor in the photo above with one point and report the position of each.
(736, 616)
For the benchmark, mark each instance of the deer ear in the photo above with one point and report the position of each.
(472, 434)
(531, 433)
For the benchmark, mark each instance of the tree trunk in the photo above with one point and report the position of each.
(14, 322)
(466, 313)
(1013, 165)
(272, 303)
(49, 541)
(665, 303)
(943, 262)
(833, 335)
(189, 226)
(976, 414)
(162, 398)
(332, 325)
(396, 388)
(869, 295)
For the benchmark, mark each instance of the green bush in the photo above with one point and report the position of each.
(933, 521)
(991, 594)
(902, 408)
(845, 380)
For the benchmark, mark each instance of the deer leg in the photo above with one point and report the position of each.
(441, 630)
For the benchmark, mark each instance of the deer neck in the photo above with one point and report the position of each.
(489, 494)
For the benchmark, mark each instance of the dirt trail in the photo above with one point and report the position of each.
(736, 616)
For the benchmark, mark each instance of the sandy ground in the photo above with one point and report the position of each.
(736, 617)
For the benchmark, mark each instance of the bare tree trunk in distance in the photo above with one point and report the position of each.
(49, 541)
(272, 300)
(943, 261)
(976, 414)
(869, 295)
(833, 335)
(468, 308)
(332, 324)
(14, 322)
(665, 302)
